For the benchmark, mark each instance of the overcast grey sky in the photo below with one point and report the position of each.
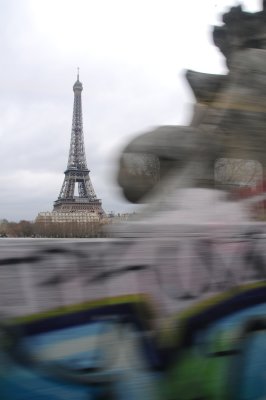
(132, 55)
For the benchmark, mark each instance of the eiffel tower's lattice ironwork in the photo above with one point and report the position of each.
(77, 179)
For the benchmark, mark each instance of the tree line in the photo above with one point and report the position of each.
(25, 228)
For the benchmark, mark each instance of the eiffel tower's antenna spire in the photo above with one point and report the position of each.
(78, 74)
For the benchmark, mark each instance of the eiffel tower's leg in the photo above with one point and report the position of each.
(68, 188)
(62, 191)
(89, 189)
(82, 189)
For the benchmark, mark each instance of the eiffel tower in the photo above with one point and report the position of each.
(77, 175)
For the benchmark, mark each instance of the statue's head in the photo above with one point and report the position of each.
(241, 30)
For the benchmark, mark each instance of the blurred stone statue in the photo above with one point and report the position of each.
(229, 120)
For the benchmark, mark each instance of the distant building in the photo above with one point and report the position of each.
(57, 217)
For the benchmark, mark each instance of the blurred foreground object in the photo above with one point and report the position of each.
(121, 347)
(228, 125)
